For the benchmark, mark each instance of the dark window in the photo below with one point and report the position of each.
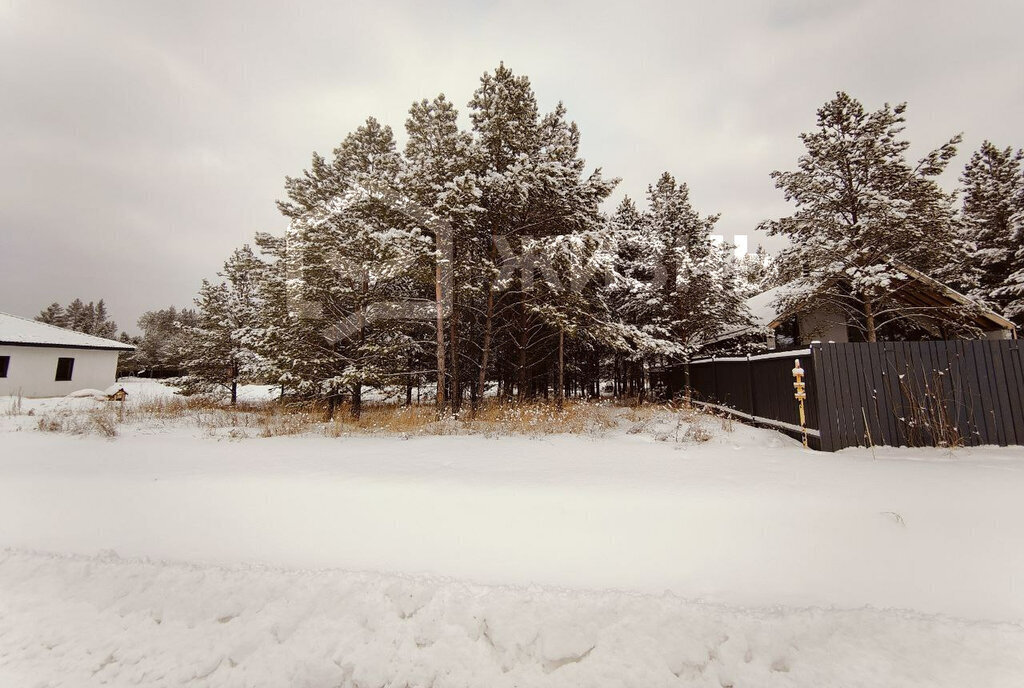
(64, 368)
(5, 362)
(787, 334)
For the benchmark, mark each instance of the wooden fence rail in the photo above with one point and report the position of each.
(883, 393)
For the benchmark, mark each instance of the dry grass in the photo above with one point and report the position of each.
(276, 419)
(492, 418)
(100, 421)
(14, 407)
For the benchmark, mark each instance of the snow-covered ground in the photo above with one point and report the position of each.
(167, 556)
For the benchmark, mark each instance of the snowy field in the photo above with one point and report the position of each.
(639, 557)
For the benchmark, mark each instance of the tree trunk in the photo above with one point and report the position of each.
(234, 384)
(561, 366)
(439, 296)
(523, 325)
(869, 320)
(357, 400)
(357, 386)
(489, 319)
(453, 347)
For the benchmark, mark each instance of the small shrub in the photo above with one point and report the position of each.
(697, 430)
(49, 424)
(104, 423)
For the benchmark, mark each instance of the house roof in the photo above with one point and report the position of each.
(765, 313)
(18, 331)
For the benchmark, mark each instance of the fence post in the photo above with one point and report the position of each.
(714, 381)
(750, 386)
(800, 394)
(825, 434)
(686, 382)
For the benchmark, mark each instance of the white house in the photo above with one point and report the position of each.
(40, 360)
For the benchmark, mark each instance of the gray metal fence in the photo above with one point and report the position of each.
(882, 393)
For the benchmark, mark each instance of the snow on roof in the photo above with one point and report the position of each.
(762, 306)
(762, 312)
(22, 331)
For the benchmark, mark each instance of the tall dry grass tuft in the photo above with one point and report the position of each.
(928, 419)
(14, 407)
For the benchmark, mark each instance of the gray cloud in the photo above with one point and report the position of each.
(141, 142)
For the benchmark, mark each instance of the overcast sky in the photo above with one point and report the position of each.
(140, 142)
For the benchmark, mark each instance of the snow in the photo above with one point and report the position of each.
(468, 560)
(18, 330)
(762, 310)
(762, 306)
(110, 621)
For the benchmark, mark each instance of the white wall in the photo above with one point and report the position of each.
(32, 370)
(823, 325)
(998, 334)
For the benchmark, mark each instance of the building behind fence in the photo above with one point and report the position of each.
(941, 393)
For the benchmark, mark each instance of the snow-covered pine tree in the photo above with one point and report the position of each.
(573, 303)
(354, 254)
(1013, 291)
(278, 336)
(159, 349)
(631, 295)
(532, 185)
(217, 351)
(758, 271)
(439, 176)
(698, 293)
(860, 209)
(992, 186)
(505, 120)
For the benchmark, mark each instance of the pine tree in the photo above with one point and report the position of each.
(80, 316)
(159, 349)
(103, 326)
(758, 271)
(1013, 291)
(439, 177)
(861, 208)
(53, 315)
(88, 318)
(218, 351)
(532, 186)
(993, 193)
(356, 257)
(699, 291)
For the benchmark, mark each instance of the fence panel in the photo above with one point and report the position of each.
(921, 393)
(886, 393)
(758, 386)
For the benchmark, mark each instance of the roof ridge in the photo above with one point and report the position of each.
(37, 323)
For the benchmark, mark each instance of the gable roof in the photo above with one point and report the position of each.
(766, 315)
(18, 331)
(763, 315)
(931, 294)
